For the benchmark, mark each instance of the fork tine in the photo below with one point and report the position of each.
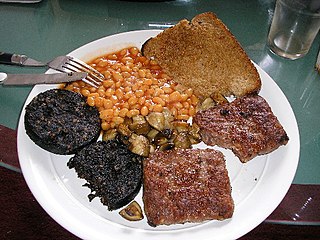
(70, 64)
(90, 83)
(94, 77)
(87, 67)
(90, 79)
(93, 80)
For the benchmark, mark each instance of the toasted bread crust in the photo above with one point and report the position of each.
(205, 56)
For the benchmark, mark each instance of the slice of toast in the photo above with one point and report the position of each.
(205, 56)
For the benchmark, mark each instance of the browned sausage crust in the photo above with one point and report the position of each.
(247, 126)
(186, 185)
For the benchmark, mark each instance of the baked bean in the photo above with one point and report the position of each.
(157, 108)
(132, 100)
(134, 85)
(106, 114)
(105, 125)
(183, 117)
(134, 51)
(98, 102)
(118, 120)
(167, 89)
(123, 112)
(107, 74)
(85, 92)
(107, 103)
(132, 113)
(139, 93)
(90, 101)
(108, 83)
(141, 101)
(119, 93)
(110, 57)
(117, 76)
(144, 111)
(175, 97)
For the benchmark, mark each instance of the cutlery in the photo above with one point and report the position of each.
(32, 79)
(61, 63)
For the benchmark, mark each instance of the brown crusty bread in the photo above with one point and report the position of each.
(205, 56)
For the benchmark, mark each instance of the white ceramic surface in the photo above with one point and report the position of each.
(257, 186)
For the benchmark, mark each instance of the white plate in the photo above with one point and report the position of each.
(257, 186)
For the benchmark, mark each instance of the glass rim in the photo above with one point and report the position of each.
(303, 11)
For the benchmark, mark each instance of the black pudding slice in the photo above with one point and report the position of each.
(61, 122)
(112, 172)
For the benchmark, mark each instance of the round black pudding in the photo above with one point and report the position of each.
(61, 122)
(112, 171)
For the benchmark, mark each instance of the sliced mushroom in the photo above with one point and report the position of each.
(156, 120)
(194, 140)
(206, 104)
(109, 134)
(124, 130)
(139, 125)
(218, 98)
(194, 131)
(182, 140)
(152, 134)
(139, 144)
(181, 126)
(167, 132)
(166, 146)
(152, 148)
(160, 139)
(168, 118)
(132, 212)
(127, 121)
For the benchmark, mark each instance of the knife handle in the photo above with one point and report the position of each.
(9, 58)
(5, 57)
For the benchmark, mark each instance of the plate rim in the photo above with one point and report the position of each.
(76, 220)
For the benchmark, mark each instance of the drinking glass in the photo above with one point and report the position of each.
(294, 27)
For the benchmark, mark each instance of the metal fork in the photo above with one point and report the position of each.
(71, 64)
(61, 63)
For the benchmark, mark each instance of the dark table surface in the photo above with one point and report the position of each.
(51, 28)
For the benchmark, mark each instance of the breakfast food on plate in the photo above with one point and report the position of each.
(112, 172)
(186, 185)
(132, 212)
(247, 126)
(205, 56)
(139, 101)
(143, 108)
(134, 85)
(157, 131)
(61, 122)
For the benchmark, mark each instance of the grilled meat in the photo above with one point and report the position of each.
(247, 126)
(186, 185)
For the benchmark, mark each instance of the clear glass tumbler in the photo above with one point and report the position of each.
(294, 26)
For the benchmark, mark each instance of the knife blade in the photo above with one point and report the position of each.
(19, 59)
(32, 79)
